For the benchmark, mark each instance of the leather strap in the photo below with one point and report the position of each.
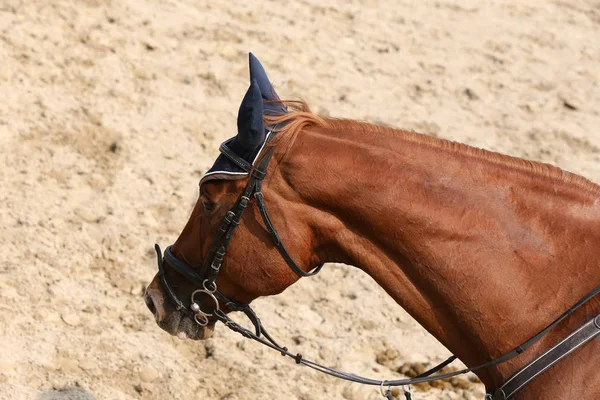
(277, 241)
(239, 161)
(575, 340)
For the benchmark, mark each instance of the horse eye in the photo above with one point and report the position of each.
(208, 206)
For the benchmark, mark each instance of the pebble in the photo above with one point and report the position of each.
(469, 396)
(138, 388)
(368, 324)
(299, 339)
(3, 378)
(386, 356)
(87, 364)
(391, 353)
(89, 214)
(71, 319)
(48, 316)
(136, 290)
(460, 383)
(143, 387)
(229, 52)
(148, 373)
(67, 365)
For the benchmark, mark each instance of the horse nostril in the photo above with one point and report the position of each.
(150, 303)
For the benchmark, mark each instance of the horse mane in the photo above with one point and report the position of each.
(290, 124)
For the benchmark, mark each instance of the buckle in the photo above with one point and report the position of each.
(244, 202)
(216, 265)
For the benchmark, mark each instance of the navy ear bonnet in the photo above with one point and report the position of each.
(252, 134)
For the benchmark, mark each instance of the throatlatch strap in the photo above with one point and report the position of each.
(277, 241)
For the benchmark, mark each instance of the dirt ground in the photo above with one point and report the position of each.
(110, 111)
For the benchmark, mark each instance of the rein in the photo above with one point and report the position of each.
(206, 280)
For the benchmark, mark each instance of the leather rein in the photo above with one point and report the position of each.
(206, 280)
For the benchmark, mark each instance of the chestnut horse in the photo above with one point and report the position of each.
(483, 250)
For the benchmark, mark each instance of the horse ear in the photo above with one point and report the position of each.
(257, 72)
(251, 133)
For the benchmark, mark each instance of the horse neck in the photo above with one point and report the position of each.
(473, 248)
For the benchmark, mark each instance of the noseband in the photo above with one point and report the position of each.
(205, 279)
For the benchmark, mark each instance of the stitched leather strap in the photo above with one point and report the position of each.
(277, 240)
(575, 340)
(239, 161)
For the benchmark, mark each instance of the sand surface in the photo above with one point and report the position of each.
(110, 111)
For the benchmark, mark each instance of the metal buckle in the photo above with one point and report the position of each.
(229, 217)
(244, 202)
(216, 264)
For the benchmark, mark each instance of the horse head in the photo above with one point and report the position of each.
(253, 266)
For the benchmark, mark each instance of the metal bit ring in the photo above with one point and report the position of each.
(201, 319)
(195, 307)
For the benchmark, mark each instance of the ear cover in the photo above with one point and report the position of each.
(260, 100)
(257, 72)
(251, 133)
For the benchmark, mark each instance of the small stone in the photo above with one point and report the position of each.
(471, 94)
(148, 373)
(229, 52)
(391, 354)
(423, 387)
(368, 324)
(419, 368)
(405, 369)
(469, 396)
(49, 316)
(136, 290)
(381, 358)
(60, 391)
(460, 383)
(142, 73)
(443, 385)
(67, 365)
(3, 378)
(71, 319)
(87, 364)
(89, 214)
(299, 339)
(143, 387)
(150, 45)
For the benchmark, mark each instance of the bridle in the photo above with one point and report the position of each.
(206, 280)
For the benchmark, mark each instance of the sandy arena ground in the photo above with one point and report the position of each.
(110, 111)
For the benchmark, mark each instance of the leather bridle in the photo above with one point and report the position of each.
(206, 280)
